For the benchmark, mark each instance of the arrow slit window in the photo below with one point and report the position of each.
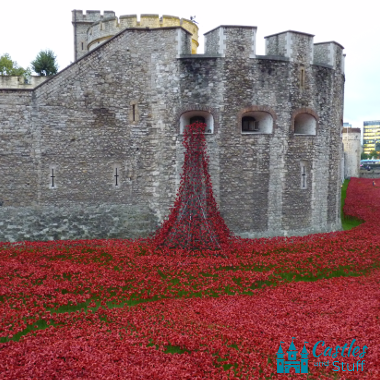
(52, 177)
(303, 175)
(116, 176)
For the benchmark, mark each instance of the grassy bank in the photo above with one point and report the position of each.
(348, 222)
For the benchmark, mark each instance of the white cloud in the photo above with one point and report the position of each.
(26, 31)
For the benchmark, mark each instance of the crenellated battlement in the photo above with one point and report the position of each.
(296, 46)
(91, 16)
(91, 29)
(329, 53)
(299, 47)
(20, 82)
(225, 39)
(290, 46)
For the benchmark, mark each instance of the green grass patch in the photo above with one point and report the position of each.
(307, 277)
(348, 222)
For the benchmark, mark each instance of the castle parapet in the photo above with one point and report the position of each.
(296, 46)
(91, 16)
(352, 131)
(128, 21)
(91, 29)
(329, 53)
(150, 21)
(171, 20)
(231, 40)
(20, 82)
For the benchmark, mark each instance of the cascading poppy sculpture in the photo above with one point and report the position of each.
(195, 223)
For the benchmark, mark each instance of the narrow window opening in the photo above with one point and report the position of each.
(303, 176)
(134, 112)
(250, 124)
(116, 177)
(82, 45)
(52, 178)
(302, 74)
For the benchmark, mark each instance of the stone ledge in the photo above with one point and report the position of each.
(272, 57)
(200, 56)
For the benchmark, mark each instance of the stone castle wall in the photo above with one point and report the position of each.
(19, 82)
(120, 107)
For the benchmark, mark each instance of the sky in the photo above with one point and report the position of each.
(27, 28)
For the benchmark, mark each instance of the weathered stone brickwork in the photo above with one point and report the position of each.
(95, 151)
(79, 222)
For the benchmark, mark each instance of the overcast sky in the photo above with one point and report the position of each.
(27, 27)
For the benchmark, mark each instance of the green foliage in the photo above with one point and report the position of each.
(348, 222)
(364, 156)
(45, 63)
(373, 154)
(9, 67)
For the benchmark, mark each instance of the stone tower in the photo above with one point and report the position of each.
(280, 360)
(352, 150)
(92, 29)
(304, 360)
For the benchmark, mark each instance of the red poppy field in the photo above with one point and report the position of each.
(120, 309)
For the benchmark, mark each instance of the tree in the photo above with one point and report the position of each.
(45, 63)
(373, 154)
(9, 67)
(364, 156)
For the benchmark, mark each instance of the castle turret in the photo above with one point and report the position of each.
(81, 23)
(304, 360)
(93, 29)
(352, 146)
(292, 352)
(280, 360)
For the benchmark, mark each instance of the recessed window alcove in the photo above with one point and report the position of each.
(190, 117)
(305, 123)
(256, 122)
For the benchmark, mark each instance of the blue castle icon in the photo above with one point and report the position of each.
(300, 366)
